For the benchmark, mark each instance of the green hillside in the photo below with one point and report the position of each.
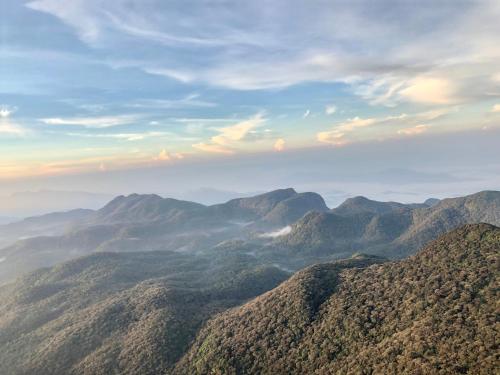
(434, 313)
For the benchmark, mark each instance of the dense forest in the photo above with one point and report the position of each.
(434, 313)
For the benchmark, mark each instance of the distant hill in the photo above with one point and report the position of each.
(432, 313)
(53, 224)
(447, 215)
(31, 203)
(7, 220)
(140, 208)
(290, 210)
(432, 202)
(386, 228)
(146, 222)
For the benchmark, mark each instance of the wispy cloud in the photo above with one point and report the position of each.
(202, 120)
(330, 109)
(7, 111)
(132, 136)
(191, 100)
(346, 132)
(278, 233)
(241, 55)
(10, 128)
(230, 135)
(331, 137)
(178, 75)
(7, 126)
(91, 122)
(164, 155)
(432, 90)
(336, 136)
(415, 130)
(306, 114)
(210, 147)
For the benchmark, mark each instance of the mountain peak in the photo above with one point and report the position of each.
(140, 207)
(362, 204)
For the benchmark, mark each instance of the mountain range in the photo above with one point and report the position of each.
(284, 228)
(144, 223)
(391, 229)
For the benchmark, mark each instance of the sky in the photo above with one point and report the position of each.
(389, 99)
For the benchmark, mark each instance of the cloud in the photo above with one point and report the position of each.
(330, 109)
(306, 114)
(429, 90)
(163, 155)
(134, 136)
(77, 15)
(424, 89)
(178, 75)
(415, 130)
(278, 233)
(347, 131)
(91, 122)
(279, 145)
(280, 47)
(332, 137)
(237, 132)
(229, 136)
(7, 111)
(496, 108)
(336, 135)
(355, 122)
(218, 149)
(7, 126)
(186, 102)
(93, 20)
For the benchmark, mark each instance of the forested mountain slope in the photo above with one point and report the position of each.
(434, 313)
(112, 313)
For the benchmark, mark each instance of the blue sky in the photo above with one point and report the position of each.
(96, 87)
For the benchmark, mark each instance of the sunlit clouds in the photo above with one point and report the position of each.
(164, 155)
(111, 85)
(418, 129)
(429, 90)
(230, 136)
(279, 145)
(336, 136)
(365, 129)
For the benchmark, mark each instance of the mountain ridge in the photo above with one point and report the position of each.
(282, 222)
(389, 229)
